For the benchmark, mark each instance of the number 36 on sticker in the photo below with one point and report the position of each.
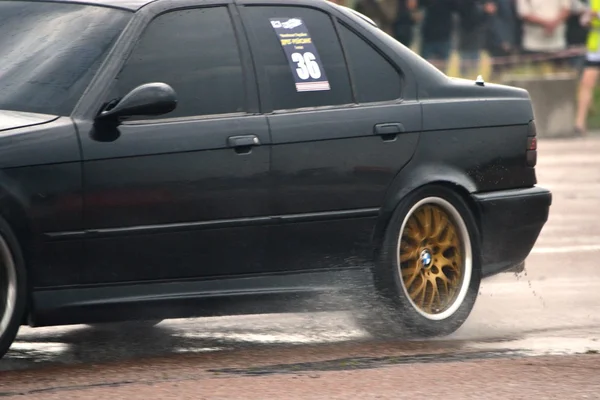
(301, 53)
(307, 66)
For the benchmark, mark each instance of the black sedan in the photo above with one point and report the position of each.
(179, 158)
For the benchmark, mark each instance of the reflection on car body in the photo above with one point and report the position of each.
(164, 159)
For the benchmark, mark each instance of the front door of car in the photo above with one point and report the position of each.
(340, 129)
(175, 195)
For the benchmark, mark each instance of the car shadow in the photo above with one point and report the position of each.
(83, 344)
(97, 344)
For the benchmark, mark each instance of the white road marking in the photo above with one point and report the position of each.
(568, 188)
(552, 241)
(566, 249)
(569, 159)
(559, 287)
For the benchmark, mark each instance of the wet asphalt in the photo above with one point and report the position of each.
(553, 308)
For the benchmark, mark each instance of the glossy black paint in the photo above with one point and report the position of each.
(238, 295)
(19, 119)
(175, 173)
(334, 160)
(131, 5)
(506, 243)
(150, 99)
(41, 191)
(172, 217)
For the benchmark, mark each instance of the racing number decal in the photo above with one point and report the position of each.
(301, 53)
(307, 66)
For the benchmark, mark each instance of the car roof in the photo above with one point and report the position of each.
(131, 5)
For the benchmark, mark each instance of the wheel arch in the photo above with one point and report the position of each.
(408, 181)
(13, 209)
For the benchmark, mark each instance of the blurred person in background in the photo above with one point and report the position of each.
(406, 18)
(471, 28)
(577, 33)
(382, 12)
(476, 19)
(502, 41)
(544, 27)
(436, 31)
(591, 19)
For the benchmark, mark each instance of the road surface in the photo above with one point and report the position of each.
(534, 334)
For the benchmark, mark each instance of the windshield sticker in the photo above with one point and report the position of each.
(301, 53)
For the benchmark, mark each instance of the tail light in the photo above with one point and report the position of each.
(531, 145)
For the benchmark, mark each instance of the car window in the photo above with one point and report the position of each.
(51, 51)
(196, 52)
(310, 72)
(375, 79)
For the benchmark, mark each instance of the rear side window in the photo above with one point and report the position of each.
(196, 52)
(375, 79)
(317, 29)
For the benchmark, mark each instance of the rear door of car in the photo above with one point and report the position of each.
(175, 196)
(341, 130)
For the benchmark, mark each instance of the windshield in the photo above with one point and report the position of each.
(51, 51)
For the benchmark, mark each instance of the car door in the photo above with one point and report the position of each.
(340, 127)
(179, 195)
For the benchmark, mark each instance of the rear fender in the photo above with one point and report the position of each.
(410, 179)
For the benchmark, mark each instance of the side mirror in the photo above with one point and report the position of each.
(149, 99)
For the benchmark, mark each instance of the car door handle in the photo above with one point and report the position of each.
(243, 144)
(388, 131)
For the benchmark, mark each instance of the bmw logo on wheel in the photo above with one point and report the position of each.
(426, 258)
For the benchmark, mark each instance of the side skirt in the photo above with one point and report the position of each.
(293, 292)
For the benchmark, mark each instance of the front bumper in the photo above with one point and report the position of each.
(510, 222)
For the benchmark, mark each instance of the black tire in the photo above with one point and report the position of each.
(392, 313)
(13, 287)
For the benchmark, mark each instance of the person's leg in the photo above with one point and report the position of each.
(444, 49)
(576, 63)
(560, 63)
(586, 92)
(433, 52)
(499, 60)
(404, 33)
(580, 65)
(469, 62)
(531, 58)
(427, 50)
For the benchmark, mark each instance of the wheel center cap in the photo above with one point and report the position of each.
(426, 258)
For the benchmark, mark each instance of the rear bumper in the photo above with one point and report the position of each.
(510, 223)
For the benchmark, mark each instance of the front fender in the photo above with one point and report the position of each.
(14, 203)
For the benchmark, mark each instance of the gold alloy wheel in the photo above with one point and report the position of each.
(435, 258)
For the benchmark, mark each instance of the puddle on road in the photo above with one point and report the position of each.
(76, 345)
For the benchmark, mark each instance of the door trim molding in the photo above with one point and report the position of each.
(213, 224)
